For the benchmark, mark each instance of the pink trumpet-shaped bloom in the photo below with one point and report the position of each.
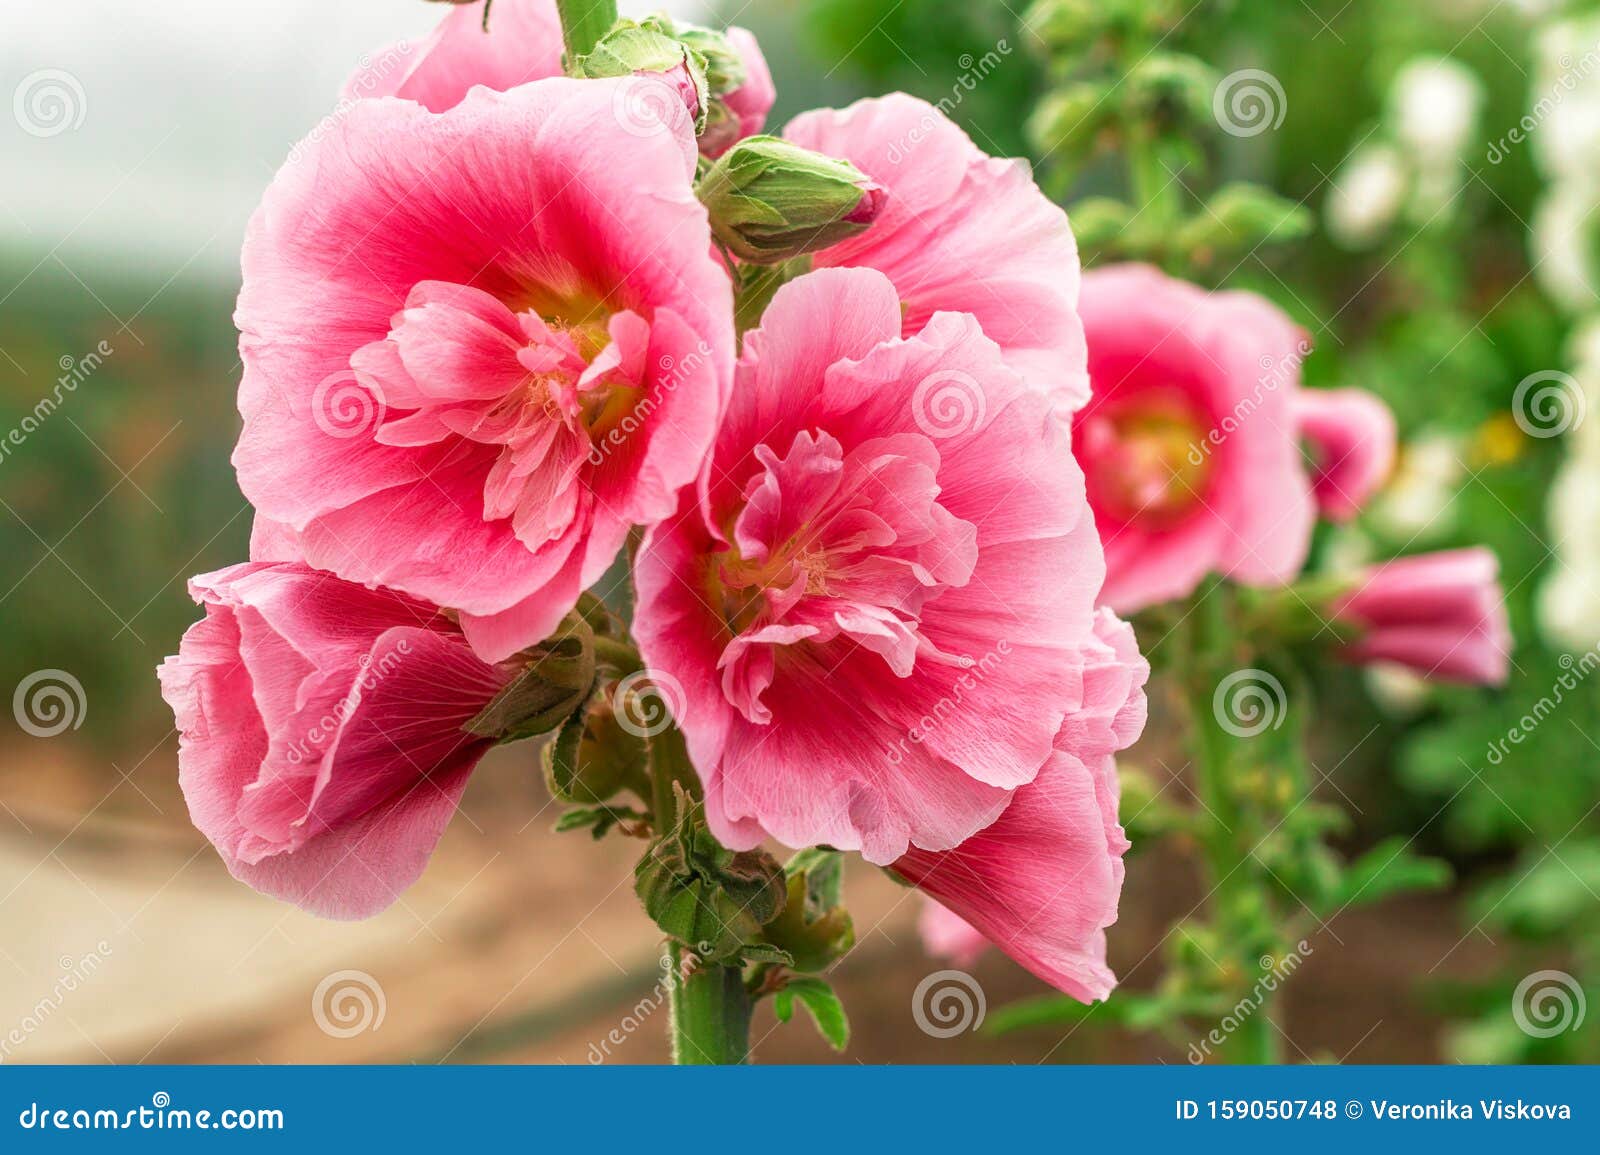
(867, 619)
(962, 232)
(479, 346)
(1189, 444)
(320, 742)
(522, 44)
(1352, 435)
(1043, 881)
(1441, 614)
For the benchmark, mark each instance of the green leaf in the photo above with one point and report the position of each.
(824, 1006)
(1387, 869)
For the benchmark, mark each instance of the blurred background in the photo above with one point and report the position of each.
(1447, 154)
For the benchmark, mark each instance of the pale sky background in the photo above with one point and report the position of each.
(188, 107)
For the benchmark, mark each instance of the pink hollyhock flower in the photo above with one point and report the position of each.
(938, 241)
(1353, 438)
(1189, 443)
(320, 742)
(868, 619)
(750, 102)
(523, 43)
(1043, 881)
(479, 346)
(1439, 613)
(945, 934)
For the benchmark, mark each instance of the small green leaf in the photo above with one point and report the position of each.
(823, 1005)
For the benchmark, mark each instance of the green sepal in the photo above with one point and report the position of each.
(632, 49)
(813, 928)
(823, 1005)
(555, 678)
(1068, 121)
(705, 896)
(593, 757)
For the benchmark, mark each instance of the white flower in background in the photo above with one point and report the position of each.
(1565, 97)
(1434, 106)
(1418, 503)
(1562, 243)
(1367, 196)
(1569, 601)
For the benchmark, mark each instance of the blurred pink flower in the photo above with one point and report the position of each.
(320, 742)
(1189, 443)
(523, 43)
(1353, 438)
(479, 346)
(1043, 881)
(945, 934)
(1439, 613)
(872, 613)
(961, 232)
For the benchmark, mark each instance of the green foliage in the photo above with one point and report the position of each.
(826, 1011)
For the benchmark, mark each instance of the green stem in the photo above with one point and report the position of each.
(583, 23)
(619, 654)
(710, 1013)
(1224, 840)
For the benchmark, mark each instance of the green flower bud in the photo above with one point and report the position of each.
(556, 677)
(770, 200)
(631, 49)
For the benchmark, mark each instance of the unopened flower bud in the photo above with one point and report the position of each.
(645, 50)
(770, 200)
